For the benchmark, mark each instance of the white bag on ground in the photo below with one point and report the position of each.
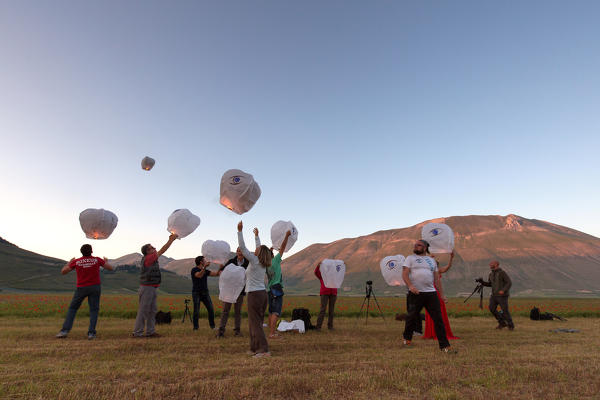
(295, 325)
(182, 222)
(439, 236)
(147, 163)
(239, 191)
(278, 231)
(216, 251)
(333, 272)
(97, 223)
(391, 269)
(231, 283)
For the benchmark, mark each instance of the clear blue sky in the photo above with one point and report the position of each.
(353, 116)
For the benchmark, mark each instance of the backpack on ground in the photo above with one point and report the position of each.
(304, 315)
(536, 315)
(163, 317)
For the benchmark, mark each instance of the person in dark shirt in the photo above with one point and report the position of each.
(200, 274)
(500, 283)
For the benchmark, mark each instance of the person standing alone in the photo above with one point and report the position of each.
(500, 283)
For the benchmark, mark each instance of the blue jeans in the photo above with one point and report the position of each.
(198, 297)
(93, 295)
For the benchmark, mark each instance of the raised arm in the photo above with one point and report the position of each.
(172, 238)
(107, 265)
(256, 238)
(67, 268)
(284, 243)
(249, 256)
(447, 267)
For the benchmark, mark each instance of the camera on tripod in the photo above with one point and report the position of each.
(186, 301)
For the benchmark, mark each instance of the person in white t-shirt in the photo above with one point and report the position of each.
(420, 272)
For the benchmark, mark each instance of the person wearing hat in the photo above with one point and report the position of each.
(421, 275)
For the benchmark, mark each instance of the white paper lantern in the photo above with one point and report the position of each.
(182, 222)
(147, 163)
(278, 231)
(97, 223)
(333, 272)
(391, 269)
(239, 191)
(216, 251)
(439, 236)
(231, 283)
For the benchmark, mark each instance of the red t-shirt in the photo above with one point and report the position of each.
(324, 289)
(88, 270)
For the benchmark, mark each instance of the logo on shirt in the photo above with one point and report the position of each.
(235, 180)
(431, 264)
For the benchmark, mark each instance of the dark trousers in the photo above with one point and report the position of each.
(93, 295)
(198, 297)
(430, 301)
(503, 318)
(326, 299)
(237, 311)
(257, 305)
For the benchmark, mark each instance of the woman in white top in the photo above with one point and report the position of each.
(257, 294)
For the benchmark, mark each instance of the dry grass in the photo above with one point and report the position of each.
(354, 361)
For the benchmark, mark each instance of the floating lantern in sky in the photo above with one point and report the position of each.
(239, 191)
(278, 231)
(182, 222)
(333, 272)
(439, 236)
(231, 283)
(97, 223)
(391, 269)
(216, 251)
(147, 163)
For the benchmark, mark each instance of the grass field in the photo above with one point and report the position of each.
(353, 361)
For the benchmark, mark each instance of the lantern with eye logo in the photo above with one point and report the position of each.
(332, 272)
(239, 191)
(97, 223)
(278, 231)
(147, 163)
(182, 222)
(391, 269)
(439, 236)
(216, 251)
(231, 283)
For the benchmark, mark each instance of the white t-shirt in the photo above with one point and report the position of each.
(420, 272)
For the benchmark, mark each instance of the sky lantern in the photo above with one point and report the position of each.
(439, 236)
(391, 269)
(333, 272)
(97, 223)
(231, 283)
(239, 191)
(182, 222)
(278, 231)
(216, 251)
(147, 163)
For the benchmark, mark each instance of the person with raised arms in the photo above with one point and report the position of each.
(258, 262)
(240, 261)
(421, 276)
(88, 285)
(150, 278)
(328, 297)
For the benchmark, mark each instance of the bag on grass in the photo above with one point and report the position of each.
(304, 315)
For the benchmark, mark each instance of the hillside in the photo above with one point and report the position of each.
(24, 270)
(543, 259)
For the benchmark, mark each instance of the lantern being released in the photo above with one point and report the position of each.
(391, 269)
(147, 163)
(333, 272)
(97, 223)
(439, 236)
(216, 251)
(239, 191)
(182, 222)
(231, 283)
(278, 231)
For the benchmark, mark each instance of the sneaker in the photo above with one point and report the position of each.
(501, 326)
(449, 350)
(406, 343)
(219, 335)
(133, 335)
(91, 336)
(155, 335)
(62, 334)
(275, 336)
(511, 327)
(261, 355)
(251, 353)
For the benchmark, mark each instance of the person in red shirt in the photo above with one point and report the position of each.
(88, 285)
(328, 296)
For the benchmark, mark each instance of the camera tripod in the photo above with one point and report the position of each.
(368, 294)
(478, 288)
(187, 311)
